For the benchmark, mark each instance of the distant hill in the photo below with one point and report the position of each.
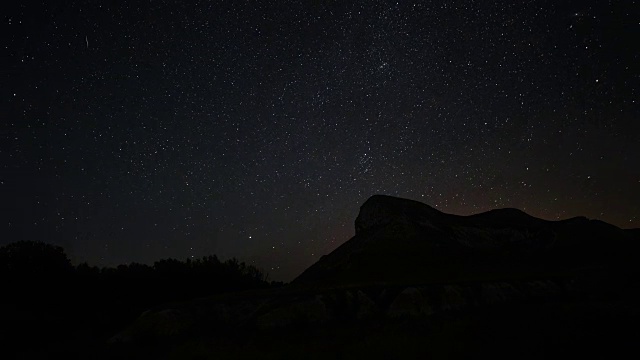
(400, 241)
(418, 283)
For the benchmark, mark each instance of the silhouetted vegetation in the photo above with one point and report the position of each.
(47, 301)
(31, 258)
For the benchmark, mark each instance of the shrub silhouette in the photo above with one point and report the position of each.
(33, 258)
(53, 301)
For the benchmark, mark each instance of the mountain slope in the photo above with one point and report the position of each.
(499, 281)
(401, 241)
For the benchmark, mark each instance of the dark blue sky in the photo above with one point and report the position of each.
(133, 131)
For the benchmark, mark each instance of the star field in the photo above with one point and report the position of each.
(140, 130)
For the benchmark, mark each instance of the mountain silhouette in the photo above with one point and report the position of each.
(418, 282)
(400, 241)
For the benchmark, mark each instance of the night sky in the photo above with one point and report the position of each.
(140, 130)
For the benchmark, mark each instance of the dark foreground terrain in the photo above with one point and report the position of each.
(509, 319)
(413, 282)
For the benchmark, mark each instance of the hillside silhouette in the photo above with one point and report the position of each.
(416, 282)
(400, 241)
(412, 282)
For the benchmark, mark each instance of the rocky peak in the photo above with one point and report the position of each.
(380, 210)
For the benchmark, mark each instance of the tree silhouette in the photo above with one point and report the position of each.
(30, 258)
(53, 301)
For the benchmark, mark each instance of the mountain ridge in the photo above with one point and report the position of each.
(410, 267)
(413, 240)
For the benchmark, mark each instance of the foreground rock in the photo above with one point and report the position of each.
(287, 308)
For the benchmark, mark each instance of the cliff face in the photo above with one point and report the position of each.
(380, 210)
(400, 241)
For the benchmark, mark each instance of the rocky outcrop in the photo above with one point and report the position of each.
(403, 241)
(307, 311)
(412, 302)
(158, 324)
(380, 210)
(279, 311)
